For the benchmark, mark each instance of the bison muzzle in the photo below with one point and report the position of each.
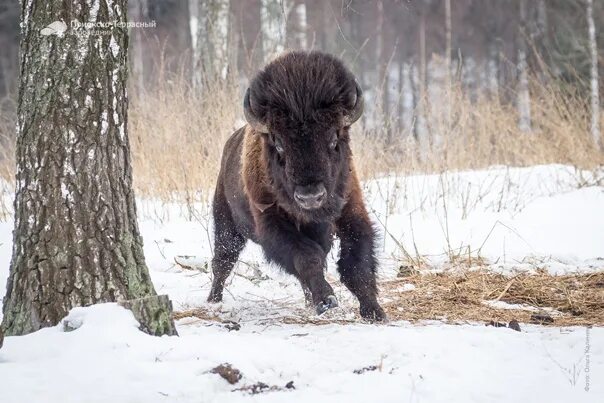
(287, 181)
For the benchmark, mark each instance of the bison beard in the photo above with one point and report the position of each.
(287, 181)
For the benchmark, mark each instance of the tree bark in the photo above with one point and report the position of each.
(295, 27)
(422, 133)
(523, 97)
(138, 13)
(205, 19)
(197, 27)
(594, 84)
(448, 36)
(248, 21)
(383, 63)
(154, 314)
(233, 38)
(448, 50)
(76, 240)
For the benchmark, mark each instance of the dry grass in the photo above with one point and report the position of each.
(484, 133)
(177, 137)
(459, 297)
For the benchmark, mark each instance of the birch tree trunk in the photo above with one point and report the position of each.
(76, 240)
(248, 22)
(448, 50)
(233, 38)
(197, 27)
(295, 25)
(273, 28)
(138, 12)
(422, 129)
(523, 97)
(594, 85)
(383, 63)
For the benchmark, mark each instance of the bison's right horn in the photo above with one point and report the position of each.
(249, 115)
(357, 110)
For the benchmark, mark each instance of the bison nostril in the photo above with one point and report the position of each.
(311, 196)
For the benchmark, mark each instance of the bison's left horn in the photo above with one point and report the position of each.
(249, 115)
(357, 110)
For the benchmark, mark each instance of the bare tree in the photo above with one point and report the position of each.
(197, 25)
(138, 11)
(594, 85)
(76, 240)
(295, 28)
(248, 22)
(274, 14)
(523, 96)
(448, 46)
(208, 22)
(422, 76)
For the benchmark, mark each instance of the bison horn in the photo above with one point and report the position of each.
(357, 110)
(253, 121)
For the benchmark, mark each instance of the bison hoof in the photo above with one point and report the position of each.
(214, 298)
(327, 303)
(373, 313)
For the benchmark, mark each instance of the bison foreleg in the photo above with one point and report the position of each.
(228, 244)
(357, 263)
(299, 255)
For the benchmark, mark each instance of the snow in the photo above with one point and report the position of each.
(524, 307)
(508, 216)
(519, 219)
(108, 359)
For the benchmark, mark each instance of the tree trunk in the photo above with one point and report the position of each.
(400, 105)
(295, 25)
(138, 13)
(207, 40)
(448, 35)
(153, 313)
(315, 31)
(523, 97)
(448, 50)
(248, 21)
(76, 240)
(233, 38)
(594, 86)
(383, 64)
(415, 102)
(273, 27)
(423, 133)
(197, 27)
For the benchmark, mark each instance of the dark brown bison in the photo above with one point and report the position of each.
(287, 181)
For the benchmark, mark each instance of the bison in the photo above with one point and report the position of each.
(287, 181)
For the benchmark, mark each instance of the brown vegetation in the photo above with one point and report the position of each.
(177, 136)
(459, 297)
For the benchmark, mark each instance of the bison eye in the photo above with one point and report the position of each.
(279, 146)
(333, 142)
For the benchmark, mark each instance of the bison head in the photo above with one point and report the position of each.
(303, 104)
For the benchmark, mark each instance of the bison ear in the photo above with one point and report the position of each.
(355, 113)
(253, 121)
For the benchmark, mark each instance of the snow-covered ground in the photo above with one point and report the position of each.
(549, 217)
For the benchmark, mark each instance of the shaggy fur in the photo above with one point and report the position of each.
(299, 112)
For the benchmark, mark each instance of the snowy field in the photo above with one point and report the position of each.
(514, 220)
